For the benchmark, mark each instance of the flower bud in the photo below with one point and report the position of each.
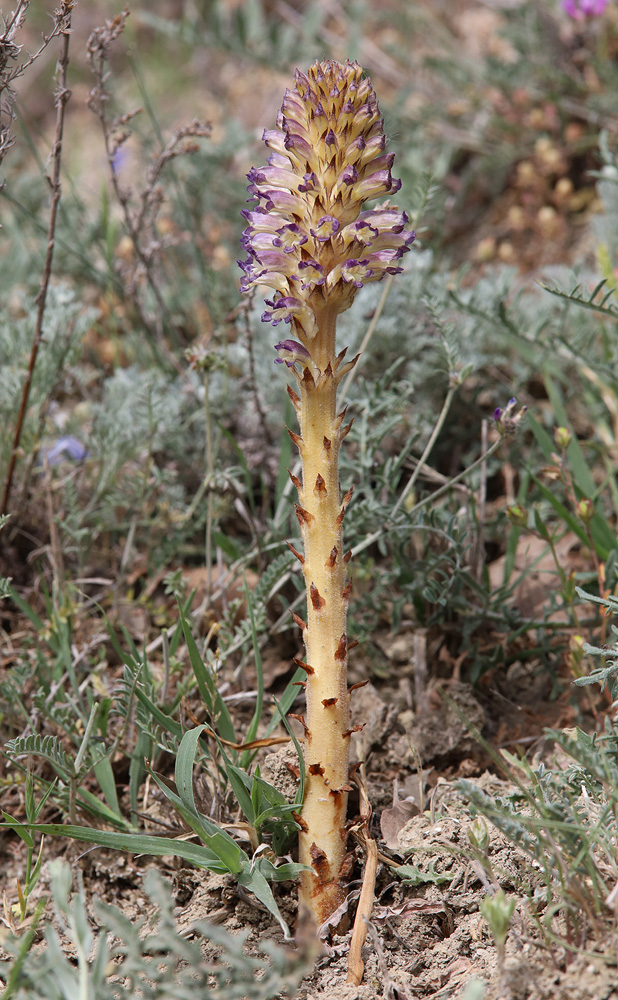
(562, 438)
(585, 510)
(518, 516)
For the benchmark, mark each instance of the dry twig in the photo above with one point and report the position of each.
(63, 27)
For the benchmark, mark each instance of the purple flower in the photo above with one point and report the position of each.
(581, 9)
(309, 238)
(64, 449)
(291, 352)
(509, 418)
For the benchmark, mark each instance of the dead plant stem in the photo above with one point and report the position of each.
(62, 97)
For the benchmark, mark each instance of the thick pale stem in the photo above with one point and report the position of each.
(320, 513)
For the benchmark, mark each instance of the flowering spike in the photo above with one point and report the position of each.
(309, 238)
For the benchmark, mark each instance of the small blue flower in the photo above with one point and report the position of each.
(65, 449)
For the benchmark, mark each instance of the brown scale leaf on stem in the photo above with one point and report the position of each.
(304, 666)
(346, 430)
(316, 769)
(329, 702)
(342, 648)
(319, 861)
(340, 791)
(299, 621)
(301, 822)
(317, 600)
(296, 438)
(295, 481)
(301, 719)
(355, 729)
(340, 417)
(319, 489)
(332, 559)
(340, 358)
(308, 379)
(327, 444)
(304, 517)
(347, 590)
(349, 365)
(344, 505)
(294, 397)
(359, 684)
(300, 557)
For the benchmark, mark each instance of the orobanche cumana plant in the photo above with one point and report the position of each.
(310, 240)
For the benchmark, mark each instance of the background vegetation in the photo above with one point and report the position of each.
(146, 578)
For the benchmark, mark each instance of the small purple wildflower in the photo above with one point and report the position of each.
(65, 449)
(508, 419)
(581, 9)
(291, 352)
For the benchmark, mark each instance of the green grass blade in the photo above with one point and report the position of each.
(136, 843)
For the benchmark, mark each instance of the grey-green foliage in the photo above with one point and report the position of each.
(123, 958)
(66, 321)
(565, 821)
(607, 671)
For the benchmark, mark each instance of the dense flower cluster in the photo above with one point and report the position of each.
(309, 238)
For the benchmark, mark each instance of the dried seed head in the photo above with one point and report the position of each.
(309, 238)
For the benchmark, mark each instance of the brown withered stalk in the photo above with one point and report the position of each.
(62, 27)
